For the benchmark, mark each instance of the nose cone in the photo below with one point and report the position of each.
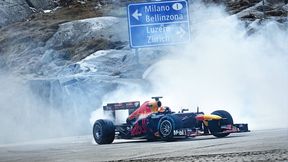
(208, 117)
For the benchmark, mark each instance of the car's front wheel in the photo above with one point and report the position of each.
(215, 125)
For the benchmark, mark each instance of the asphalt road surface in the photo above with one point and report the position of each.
(264, 145)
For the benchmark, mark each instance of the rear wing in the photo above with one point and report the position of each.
(130, 106)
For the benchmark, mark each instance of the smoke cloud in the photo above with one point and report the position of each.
(25, 115)
(20, 114)
(223, 67)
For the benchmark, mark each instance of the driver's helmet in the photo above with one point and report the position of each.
(153, 105)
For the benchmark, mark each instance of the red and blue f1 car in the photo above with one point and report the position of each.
(153, 121)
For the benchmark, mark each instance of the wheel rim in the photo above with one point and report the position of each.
(165, 128)
(98, 131)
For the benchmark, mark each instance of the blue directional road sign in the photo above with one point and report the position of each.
(158, 23)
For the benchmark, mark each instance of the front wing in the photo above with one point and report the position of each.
(188, 132)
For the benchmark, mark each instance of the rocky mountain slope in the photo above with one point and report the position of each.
(43, 33)
(18, 10)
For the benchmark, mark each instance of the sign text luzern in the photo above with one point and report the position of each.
(158, 23)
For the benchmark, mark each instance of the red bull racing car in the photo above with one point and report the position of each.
(153, 121)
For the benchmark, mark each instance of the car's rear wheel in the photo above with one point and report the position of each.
(215, 125)
(104, 131)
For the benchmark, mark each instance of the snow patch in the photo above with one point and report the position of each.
(101, 22)
(47, 11)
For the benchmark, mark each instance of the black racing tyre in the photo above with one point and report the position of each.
(103, 131)
(215, 125)
(166, 128)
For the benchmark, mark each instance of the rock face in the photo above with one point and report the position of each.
(98, 32)
(43, 50)
(41, 4)
(255, 9)
(18, 10)
(12, 11)
(265, 9)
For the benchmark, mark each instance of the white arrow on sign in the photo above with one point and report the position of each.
(181, 32)
(136, 15)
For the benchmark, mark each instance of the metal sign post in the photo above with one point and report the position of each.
(137, 55)
(263, 9)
